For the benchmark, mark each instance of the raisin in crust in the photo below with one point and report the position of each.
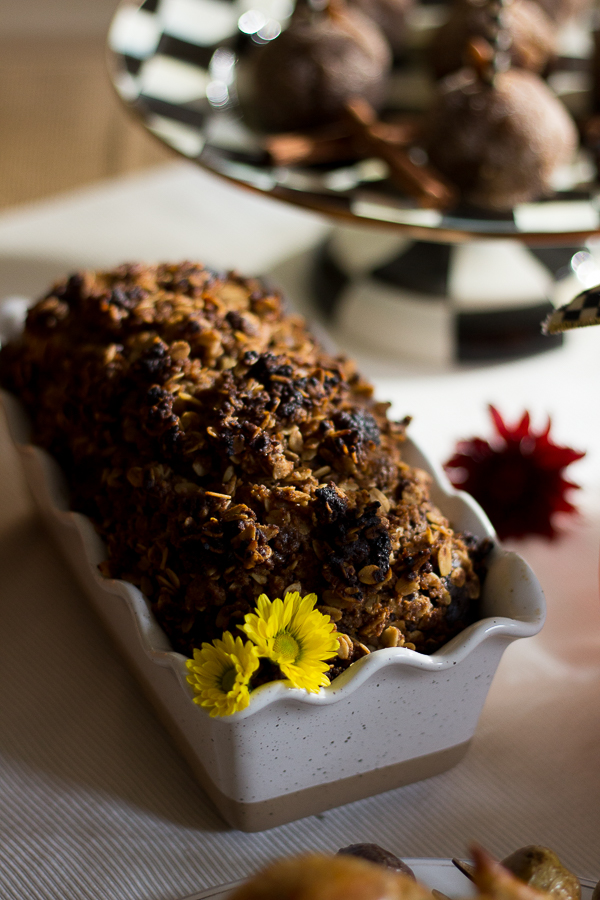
(221, 454)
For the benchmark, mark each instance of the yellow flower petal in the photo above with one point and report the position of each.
(221, 673)
(296, 636)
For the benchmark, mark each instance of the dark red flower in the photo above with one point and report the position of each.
(517, 479)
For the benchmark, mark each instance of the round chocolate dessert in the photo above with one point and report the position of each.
(376, 854)
(303, 78)
(223, 454)
(528, 35)
(499, 142)
(390, 15)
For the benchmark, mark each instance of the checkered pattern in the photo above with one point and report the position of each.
(457, 303)
(583, 310)
(165, 70)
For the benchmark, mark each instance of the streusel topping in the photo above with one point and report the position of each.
(222, 453)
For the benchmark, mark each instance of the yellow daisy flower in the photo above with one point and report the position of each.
(296, 636)
(221, 672)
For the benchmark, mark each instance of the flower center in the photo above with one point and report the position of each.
(286, 647)
(228, 680)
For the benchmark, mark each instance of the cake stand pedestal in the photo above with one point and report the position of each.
(482, 300)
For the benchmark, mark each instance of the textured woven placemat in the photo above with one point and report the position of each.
(62, 125)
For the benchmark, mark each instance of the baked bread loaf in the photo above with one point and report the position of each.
(313, 876)
(222, 454)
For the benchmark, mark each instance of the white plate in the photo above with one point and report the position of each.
(440, 874)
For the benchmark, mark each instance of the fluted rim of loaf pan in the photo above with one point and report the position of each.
(510, 587)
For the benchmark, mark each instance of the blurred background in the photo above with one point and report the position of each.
(61, 123)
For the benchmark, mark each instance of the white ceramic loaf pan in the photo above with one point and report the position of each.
(392, 718)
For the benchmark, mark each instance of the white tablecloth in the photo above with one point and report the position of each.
(95, 802)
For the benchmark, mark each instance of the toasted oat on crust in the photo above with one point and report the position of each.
(222, 454)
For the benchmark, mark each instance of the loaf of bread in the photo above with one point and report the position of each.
(314, 876)
(222, 454)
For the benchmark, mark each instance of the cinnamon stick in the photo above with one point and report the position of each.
(298, 147)
(339, 142)
(421, 182)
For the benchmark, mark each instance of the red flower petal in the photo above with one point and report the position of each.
(517, 480)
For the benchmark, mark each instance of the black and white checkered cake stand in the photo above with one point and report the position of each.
(447, 286)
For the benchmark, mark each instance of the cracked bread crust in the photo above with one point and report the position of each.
(221, 454)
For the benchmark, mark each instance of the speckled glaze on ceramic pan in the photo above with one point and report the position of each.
(394, 717)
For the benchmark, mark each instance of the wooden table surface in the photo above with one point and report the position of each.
(61, 123)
